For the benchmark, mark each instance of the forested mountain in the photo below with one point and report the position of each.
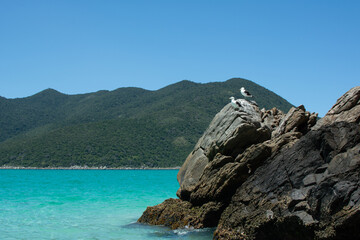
(127, 127)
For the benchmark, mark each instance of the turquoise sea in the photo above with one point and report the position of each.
(85, 204)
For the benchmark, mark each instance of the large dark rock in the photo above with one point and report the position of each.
(260, 174)
(315, 181)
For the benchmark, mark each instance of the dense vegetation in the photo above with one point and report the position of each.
(127, 127)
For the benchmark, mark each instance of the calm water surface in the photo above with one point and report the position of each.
(85, 204)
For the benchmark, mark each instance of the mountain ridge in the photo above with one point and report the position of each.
(175, 115)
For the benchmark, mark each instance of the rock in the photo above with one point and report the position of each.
(172, 213)
(298, 194)
(224, 175)
(306, 218)
(296, 120)
(190, 172)
(283, 176)
(221, 186)
(269, 147)
(175, 213)
(269, 214)
(230, 132)
(302, 206)
(271, 118)
(347, 160)
(346, 109)
(265, 175)
(312, 179)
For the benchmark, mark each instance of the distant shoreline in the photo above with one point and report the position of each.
(85, 168)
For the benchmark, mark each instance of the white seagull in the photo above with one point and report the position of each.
(245, 93)
(235, 103)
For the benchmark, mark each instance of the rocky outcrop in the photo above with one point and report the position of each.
(228, 133)
(261, 174)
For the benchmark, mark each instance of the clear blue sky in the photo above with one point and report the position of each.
(306, 51)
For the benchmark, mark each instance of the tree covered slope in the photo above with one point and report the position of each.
(127, 127)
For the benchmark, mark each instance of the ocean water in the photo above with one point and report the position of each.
(86, 204)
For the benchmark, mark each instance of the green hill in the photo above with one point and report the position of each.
(127, 127)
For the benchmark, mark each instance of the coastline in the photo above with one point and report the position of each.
(85, 168)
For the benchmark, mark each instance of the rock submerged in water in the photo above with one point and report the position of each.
(263, 174)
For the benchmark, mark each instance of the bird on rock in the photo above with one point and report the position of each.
(235, 103)
(245, 92)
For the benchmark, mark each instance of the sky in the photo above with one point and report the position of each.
(306, 51)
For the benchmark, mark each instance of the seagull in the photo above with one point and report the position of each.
(245, 93)
(235, 103)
